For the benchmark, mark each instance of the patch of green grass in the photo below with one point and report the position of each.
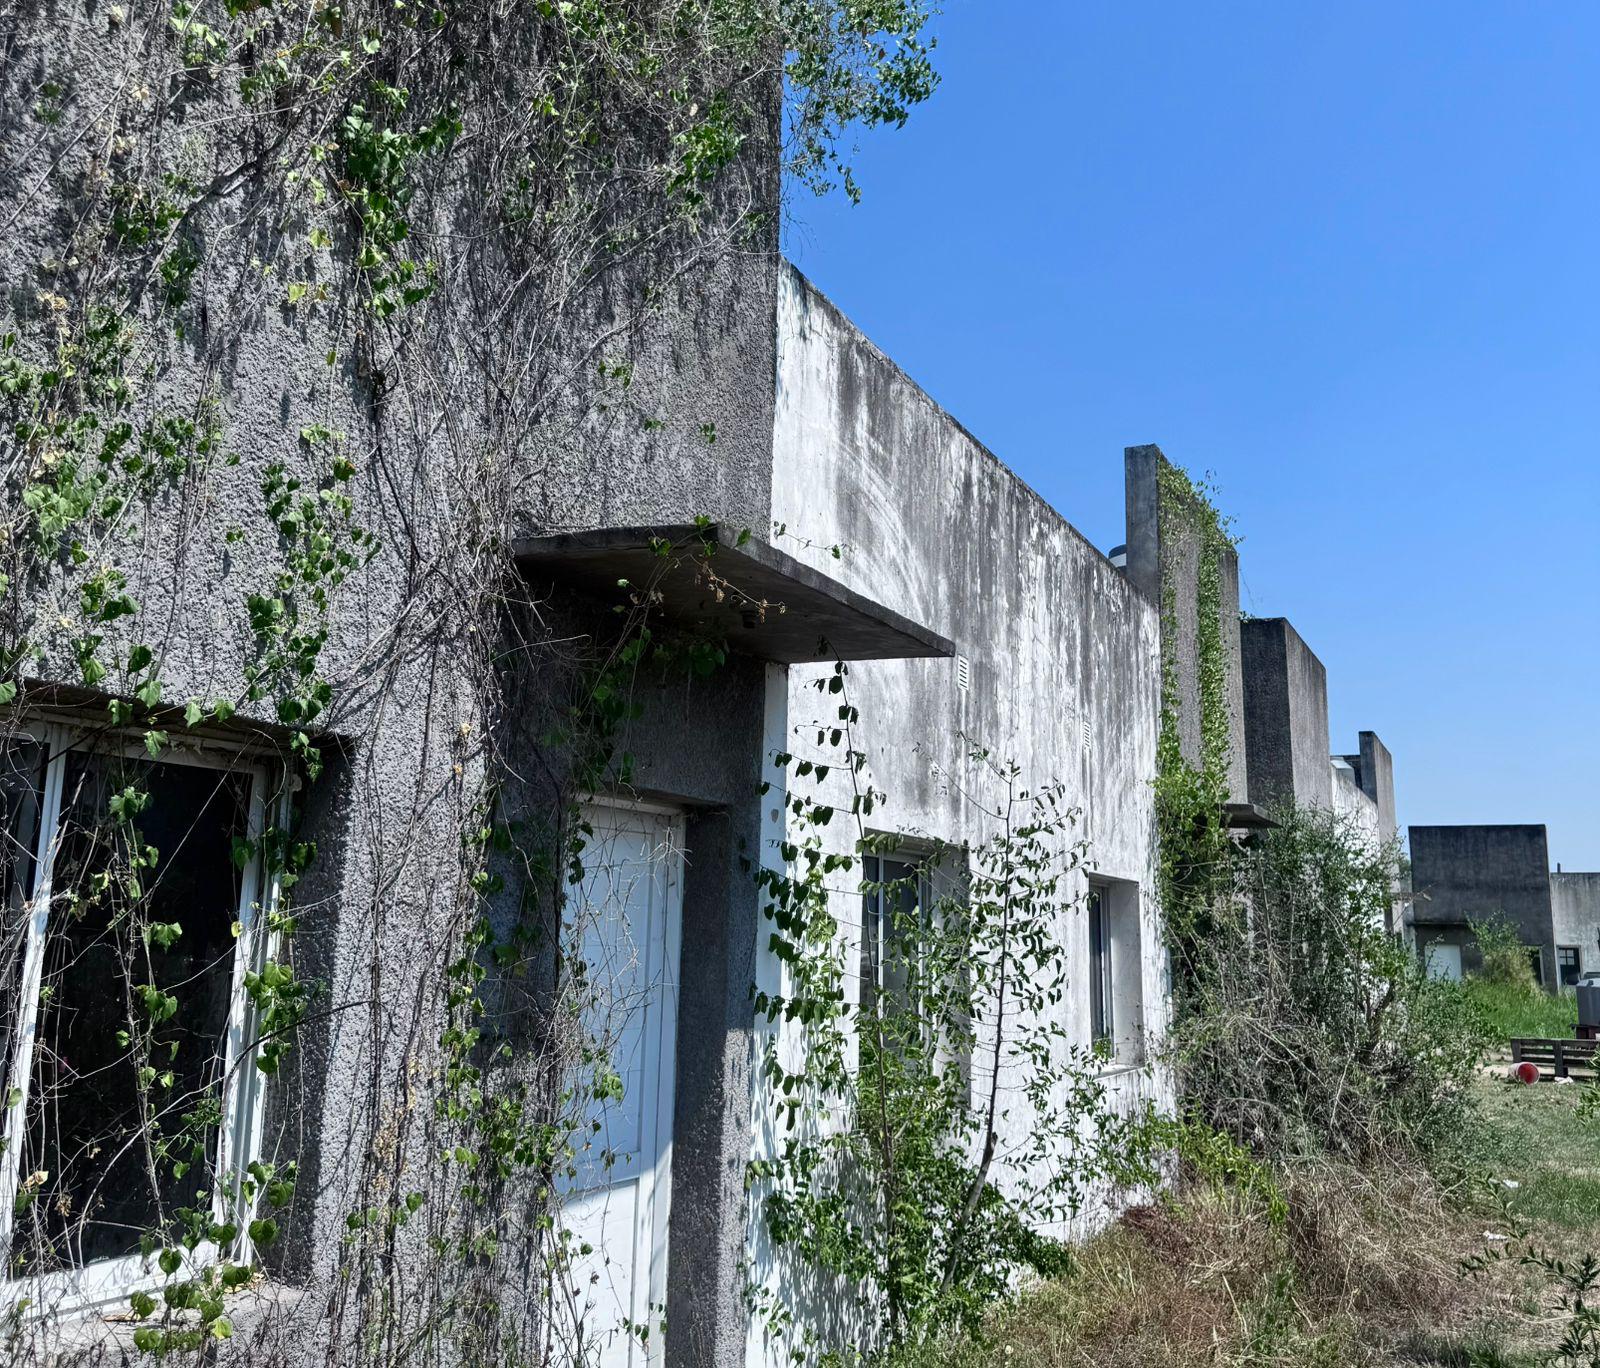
(1480, 1349)
(1550, 1150)
(1512, 1010)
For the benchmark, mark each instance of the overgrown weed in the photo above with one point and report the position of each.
(1363, 1270)
(1514, 1009)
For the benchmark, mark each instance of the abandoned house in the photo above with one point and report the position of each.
(1007, 628)
(1462, 876)
(348, 694)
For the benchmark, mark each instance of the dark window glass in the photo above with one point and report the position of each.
(1570, 965)
(119, 1159)
(1101, 1025)
(888, 918)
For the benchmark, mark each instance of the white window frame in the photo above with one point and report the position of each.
(244, 1092)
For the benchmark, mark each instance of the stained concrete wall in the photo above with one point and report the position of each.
(1062, 652)
(1480, 873)
(1350, 802)
(1374, 767)
(1285, 715)
(1575, 912)
(1163, 563)
(388, 818)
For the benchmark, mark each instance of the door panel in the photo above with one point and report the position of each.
(630, 906)
(1444, 961)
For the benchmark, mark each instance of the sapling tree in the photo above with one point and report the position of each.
(940, 1125)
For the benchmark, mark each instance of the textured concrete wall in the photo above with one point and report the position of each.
(1285, 715)
(1376, 775)
(1479, 873)
(1575, 912)
(389, 816)
(1350, 802)
(1062, 651)
(1163, 563)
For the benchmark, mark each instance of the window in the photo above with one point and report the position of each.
(897, 898)
(904, 903)
(1569, 965)
(1116, 990)
(1102, 983)
(132, 893)
(1536, 962)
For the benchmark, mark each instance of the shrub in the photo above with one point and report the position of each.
(1505, 958)
(1307, 1027)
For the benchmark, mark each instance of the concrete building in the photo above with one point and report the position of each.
(1481, 874)
(459, 835)
(1286, 735)
(970, 611)
(1286, 715)
(1575, 923)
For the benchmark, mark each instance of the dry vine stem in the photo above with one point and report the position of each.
(312, 310)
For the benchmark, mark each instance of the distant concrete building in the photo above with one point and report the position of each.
(1462, 875)
(1371, 771)
(1575, 918)
(1285, 715)
(1286, 735)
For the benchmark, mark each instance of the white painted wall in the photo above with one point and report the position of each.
(1063, 653)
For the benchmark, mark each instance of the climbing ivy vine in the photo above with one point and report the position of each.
(1192, 789)
(311, 306)
(938, 1123)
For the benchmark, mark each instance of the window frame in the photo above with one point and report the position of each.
(244, 1087)
(938, 880)
(1102, 970)
(877, 919)
(1577, 965)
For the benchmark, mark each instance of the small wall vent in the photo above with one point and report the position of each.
(963, 673)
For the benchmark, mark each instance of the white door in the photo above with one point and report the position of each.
(630, 912)
(1444, 961)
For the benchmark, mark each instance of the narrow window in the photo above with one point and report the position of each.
(908, 935)
(896, 897)
(1570, 964)
(1102, 1023)
(132, 892)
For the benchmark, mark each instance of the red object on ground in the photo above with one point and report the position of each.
(1526, 1072)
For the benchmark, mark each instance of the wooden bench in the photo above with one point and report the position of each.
(1558, 1058)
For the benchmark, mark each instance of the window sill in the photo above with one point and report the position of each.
(108, 1325)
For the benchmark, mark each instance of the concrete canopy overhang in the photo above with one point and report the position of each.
(1246, 817)
(764, 602)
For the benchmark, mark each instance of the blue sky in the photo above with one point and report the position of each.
(1344, 256)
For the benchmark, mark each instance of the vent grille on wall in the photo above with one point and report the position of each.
(963, 673)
